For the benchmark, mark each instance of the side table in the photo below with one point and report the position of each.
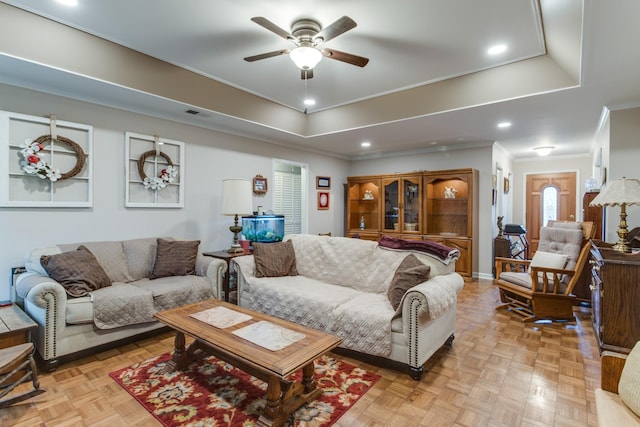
(227, 257)
(15, 326)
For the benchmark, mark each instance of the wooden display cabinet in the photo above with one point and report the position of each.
(449, 214)
(414, 206)
(615, 297)
(402, 204)
(363, 207)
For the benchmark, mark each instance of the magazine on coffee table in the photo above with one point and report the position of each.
(269, 335)
(221, 317)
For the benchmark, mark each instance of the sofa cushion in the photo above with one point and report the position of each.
(32, 262)
(629, 385)
(175, 258)
(548, 260)
(77, 271)
(409, 273)
(109, 254)
(140, 255)
(176, 291)
(274, 259)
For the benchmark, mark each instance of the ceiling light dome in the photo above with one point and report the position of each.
(305, 57)
(544, 151)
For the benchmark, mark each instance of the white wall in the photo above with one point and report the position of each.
(623, 161)
(210, 157)
(477, 158)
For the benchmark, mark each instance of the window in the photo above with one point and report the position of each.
(549, 204)
(288, 196)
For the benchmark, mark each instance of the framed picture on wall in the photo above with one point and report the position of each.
(259, 184)
(323, 200)
(323, 182)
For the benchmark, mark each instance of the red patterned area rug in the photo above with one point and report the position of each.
(211, 392)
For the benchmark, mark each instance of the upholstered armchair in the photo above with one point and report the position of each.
(618, 398)
(542, 288)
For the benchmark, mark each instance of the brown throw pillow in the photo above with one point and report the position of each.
(175, 258)
(77, 271)
(275, 259)
(409, 273)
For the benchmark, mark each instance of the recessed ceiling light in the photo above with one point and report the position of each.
(365, 144)
(497, 49)
(68, 2)
(503, 125)
(309, 101)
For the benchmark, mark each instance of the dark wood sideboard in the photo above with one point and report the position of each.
(615, 298)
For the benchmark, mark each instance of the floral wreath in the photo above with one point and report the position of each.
(166, 176)
(33, 164)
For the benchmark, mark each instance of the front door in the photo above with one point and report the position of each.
(558, 201)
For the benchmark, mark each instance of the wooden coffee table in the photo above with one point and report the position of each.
(273, 367)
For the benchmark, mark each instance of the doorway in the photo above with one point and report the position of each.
(549, 196)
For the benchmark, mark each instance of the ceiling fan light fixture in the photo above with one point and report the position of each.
(305, 57)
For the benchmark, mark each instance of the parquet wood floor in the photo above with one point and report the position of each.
(499, 372)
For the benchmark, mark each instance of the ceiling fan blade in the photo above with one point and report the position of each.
(349, 58)
(306, 74)
(341, 26)
(264, 22)
(266, 55)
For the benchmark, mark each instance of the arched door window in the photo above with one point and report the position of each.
(549, 204)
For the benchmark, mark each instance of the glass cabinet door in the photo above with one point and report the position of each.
(364, 205)
(448, 206)
(402, 204)
(411, 205)
(391, 204)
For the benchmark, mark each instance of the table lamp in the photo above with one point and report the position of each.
(620, 192)
(236, 200)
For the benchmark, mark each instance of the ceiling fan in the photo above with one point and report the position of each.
(308, 35)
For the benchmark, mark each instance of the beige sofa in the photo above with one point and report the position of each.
(618, 399)
(341, 287)
(68, 324)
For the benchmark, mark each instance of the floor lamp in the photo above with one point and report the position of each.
(620, 192)
(236, 200)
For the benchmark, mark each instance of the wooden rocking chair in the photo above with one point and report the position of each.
(16, 367)
(535, 290)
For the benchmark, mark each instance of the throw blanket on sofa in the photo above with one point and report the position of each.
(437, 250)
(121, 304)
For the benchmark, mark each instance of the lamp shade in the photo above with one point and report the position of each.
(305, 57)
(236, 197)
(618, 192)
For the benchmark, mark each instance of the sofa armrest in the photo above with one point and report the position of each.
(213, 269)
(612, 365)
(245, 267)
(45, 301)
(431, 298)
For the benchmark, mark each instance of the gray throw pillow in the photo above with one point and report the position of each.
(175, 258)
(275, 259)
(77, 271)
(409, 273)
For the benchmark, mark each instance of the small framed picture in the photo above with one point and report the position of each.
(507, 185)
(259, 184)
(323, 200)
(323, 182)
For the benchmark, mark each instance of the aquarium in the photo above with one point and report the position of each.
(263, 228)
